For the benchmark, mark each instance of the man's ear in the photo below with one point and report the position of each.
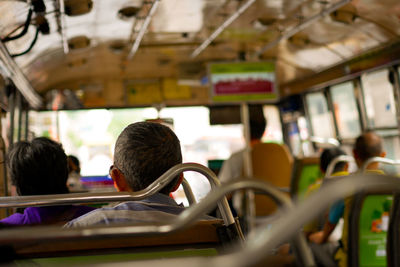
(383, 154)
(119, 180)
(178, 183)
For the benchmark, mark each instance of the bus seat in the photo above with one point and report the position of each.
(202, 234)
(393, 235)
(305, 172)
(271, 163)
(368, 227)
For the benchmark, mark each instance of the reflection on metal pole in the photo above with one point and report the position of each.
(11, 107)
(249, 208)
(26, 122)
(19, 122)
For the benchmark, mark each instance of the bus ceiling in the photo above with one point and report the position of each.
(96, 47)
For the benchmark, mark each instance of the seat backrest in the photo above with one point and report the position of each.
(306, 171)
(393, 235)
(367, 229)
(272, 163)
(203, 234)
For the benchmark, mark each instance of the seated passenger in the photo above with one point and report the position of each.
(341, 169)
(367, 145)
(40, 168)
(74, 174)
(143, 152)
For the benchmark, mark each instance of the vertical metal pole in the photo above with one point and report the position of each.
(19, 122)
(26, 122)
(359, 94)
(250, 210)
(11, 107)
(3, 155)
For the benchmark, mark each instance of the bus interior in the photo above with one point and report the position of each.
(322, 72)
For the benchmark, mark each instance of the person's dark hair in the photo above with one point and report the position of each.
(368, 145)
(328, 155)
(257, 122)
(75, 161)
(144, 151)
(38, 167)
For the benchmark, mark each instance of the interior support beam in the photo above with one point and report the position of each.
(143, 29)
(16, 75)
(307, 22)
(222, 27)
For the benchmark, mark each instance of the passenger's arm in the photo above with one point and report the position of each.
(335, 213)
(322, 236)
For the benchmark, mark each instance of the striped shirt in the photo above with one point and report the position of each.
(156, 208)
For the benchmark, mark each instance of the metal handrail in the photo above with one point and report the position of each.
(325, 141)
(187, 217)
(157, 185)
(332, 164)
(379, 160)
(287, 225)
(188, 192)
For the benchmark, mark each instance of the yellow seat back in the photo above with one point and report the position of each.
(272, 163)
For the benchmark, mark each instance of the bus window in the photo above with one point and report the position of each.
(320, 117)
(379, 99)
(202, 142)
(345, 110)
(391, 145)
(273, 132)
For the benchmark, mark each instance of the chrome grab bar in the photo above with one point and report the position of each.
(380, 160)
(167, 177)
(187, 217)
(286, 226)
(325, 141)
(188, 192)
(332, 164)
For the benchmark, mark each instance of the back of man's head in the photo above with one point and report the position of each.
(144, 151)
(38, 167)
(328, 155)
(257, 122)
(367, 145)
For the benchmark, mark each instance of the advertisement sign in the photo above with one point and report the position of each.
(243, 81)
(374, 224)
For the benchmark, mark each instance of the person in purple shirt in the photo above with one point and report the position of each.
(40, 168)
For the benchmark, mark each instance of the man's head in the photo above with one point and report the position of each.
(143, 152)
(367, 145)
(257, 122)
(38, 167)
(328, 155)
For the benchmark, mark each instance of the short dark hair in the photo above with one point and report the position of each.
(328, 155)
(368, 145)
(257, 122)
(38, 167)
(144, 151)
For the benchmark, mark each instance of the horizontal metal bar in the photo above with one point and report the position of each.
(325, 141)
(379, 160)
(187, 217)
(166, 178)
